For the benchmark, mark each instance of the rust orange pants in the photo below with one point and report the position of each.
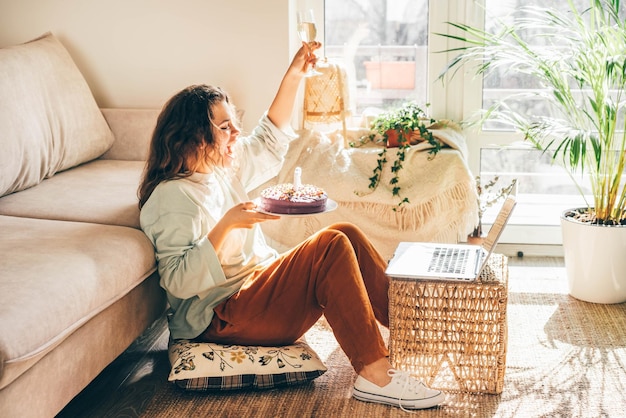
(336, 272)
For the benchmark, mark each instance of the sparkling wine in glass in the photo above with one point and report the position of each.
(307, 33)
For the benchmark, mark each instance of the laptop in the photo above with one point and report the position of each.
(457, 262)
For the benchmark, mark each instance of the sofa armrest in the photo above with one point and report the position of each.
(132, 129)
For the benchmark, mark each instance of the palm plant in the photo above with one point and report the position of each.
(582, 73)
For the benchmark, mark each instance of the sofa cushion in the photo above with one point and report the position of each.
(48, 117)
(101, 191)
(55, 276)
(205, 366)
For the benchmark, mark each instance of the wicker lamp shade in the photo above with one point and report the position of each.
(326, 97)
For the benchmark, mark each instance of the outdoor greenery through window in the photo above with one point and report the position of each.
(384, 46)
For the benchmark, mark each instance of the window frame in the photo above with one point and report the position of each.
(459, 98)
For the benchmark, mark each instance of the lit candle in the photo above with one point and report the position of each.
(297, 178)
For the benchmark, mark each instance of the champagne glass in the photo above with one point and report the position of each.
(307, 33)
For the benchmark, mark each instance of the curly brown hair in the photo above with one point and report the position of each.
(182, 137)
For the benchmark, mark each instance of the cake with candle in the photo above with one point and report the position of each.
(293, 198)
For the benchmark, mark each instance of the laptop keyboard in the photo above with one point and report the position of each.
(449, 260)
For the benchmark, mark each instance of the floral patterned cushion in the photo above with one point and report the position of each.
(204, 366)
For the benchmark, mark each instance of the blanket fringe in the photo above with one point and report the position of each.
(412, 217)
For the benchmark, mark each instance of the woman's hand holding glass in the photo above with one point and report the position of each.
(305, 59)
(307, 31)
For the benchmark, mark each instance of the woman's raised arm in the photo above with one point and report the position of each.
(281, 109)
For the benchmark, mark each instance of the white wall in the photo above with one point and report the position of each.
(138, 53)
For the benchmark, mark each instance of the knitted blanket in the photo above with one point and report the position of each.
(441, 191)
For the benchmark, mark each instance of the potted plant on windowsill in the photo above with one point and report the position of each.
(582, 74)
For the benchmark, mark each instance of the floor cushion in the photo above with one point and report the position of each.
(206, 366)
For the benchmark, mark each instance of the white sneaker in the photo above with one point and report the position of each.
(403, 391)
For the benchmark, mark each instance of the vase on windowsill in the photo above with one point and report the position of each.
(477, 237)
(487, 195)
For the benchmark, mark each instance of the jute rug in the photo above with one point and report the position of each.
(565, 358)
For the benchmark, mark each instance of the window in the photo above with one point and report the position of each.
(376, 38)
(384, 46)
(545, 189)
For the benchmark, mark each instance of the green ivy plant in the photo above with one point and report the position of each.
(404, 121)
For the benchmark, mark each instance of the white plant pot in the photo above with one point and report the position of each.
(595, 261)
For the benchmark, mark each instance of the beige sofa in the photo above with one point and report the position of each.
(78, 280)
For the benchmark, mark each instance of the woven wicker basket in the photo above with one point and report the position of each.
(452, 335)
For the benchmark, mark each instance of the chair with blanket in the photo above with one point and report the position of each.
(442, 196)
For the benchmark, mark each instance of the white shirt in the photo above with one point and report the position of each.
(180, 213)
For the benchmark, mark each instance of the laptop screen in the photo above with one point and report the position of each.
(498, 225)
(496, 229)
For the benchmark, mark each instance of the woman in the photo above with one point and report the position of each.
(223, 282)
